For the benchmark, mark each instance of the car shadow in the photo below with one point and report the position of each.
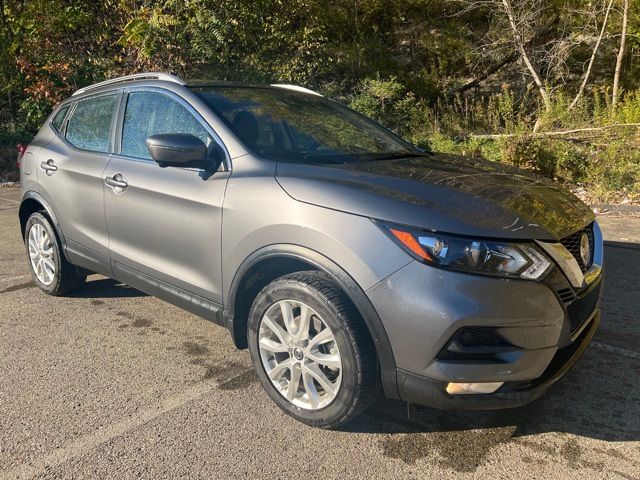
(106, 288)
(599, 398)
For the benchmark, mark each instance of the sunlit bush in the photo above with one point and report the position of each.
(606, 162)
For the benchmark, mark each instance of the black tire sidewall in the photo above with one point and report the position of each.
(38, 218)
(292, 290)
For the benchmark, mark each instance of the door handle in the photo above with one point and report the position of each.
(48, 166)
(116, 181)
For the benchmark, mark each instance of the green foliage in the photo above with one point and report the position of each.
(604, 161)
(616, 168)
(629, 110)
(424, 68)
(385, 101)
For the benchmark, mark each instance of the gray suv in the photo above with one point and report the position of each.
(346, 260)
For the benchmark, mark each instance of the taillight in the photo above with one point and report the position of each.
(21, 149)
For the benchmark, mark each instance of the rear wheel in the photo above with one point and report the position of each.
(50, 269)
(312, 353)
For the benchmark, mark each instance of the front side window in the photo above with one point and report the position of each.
(152, 113)
(58, 120)
(285, 125)
(90, 125)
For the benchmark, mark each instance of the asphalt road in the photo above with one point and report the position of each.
(111, 383)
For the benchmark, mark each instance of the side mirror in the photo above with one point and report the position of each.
(176, 149)
(215, 157)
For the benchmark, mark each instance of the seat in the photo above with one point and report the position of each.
(245, 126)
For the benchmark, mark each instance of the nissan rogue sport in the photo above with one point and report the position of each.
(343, 257)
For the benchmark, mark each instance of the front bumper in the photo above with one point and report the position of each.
(424, 391)
(424, 308)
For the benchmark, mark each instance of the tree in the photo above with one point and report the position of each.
(546, 57)
(620, 56)
(587, 73)
(520, 45)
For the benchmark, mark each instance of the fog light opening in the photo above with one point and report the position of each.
(472, 388)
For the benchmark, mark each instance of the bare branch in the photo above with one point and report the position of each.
(520, 45)
(510, 56)
(559, 133)
(587, 74)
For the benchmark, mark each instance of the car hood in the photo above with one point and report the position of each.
(448, 193)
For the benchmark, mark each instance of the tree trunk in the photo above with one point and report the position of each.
(587, 74)
(484, 75)
(558, 133)
(508, 9)
(620, 57)
(506, 60)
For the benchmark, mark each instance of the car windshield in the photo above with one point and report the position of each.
(291, 126)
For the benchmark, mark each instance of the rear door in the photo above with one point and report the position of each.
(70, 177)
(164, 223)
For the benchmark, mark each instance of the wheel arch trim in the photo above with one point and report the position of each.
(351, 288)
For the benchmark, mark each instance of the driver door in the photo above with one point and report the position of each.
(164, 223)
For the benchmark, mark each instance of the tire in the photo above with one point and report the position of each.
(60, 277)
(351, 386)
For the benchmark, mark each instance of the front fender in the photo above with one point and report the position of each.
(344, 281)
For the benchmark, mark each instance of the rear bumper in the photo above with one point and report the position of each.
(421, 390)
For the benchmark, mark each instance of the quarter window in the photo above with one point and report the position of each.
(90, 125)
(58, 120)
(151, 113)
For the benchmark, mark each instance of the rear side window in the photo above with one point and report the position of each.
(152, 113)
(58, 120)
(90, 126)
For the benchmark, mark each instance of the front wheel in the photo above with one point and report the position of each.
(50, 269)
(312, 352)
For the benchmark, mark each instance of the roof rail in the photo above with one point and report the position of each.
(128, 78)
(296, 88)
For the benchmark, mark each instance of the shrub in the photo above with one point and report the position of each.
(606, 163)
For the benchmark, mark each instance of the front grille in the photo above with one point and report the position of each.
(567, 295)
(572, 243)
(477, 345)
(473, 336)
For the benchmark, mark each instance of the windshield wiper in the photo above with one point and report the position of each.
(399, 154)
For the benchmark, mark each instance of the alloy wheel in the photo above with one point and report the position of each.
(300, 355)
(41, 254)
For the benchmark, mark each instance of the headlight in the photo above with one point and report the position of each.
(488, 257)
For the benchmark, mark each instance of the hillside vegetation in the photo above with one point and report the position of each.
(548, 85)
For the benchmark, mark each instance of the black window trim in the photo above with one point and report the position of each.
(60, 133)
(119, 130)
(67, 115)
